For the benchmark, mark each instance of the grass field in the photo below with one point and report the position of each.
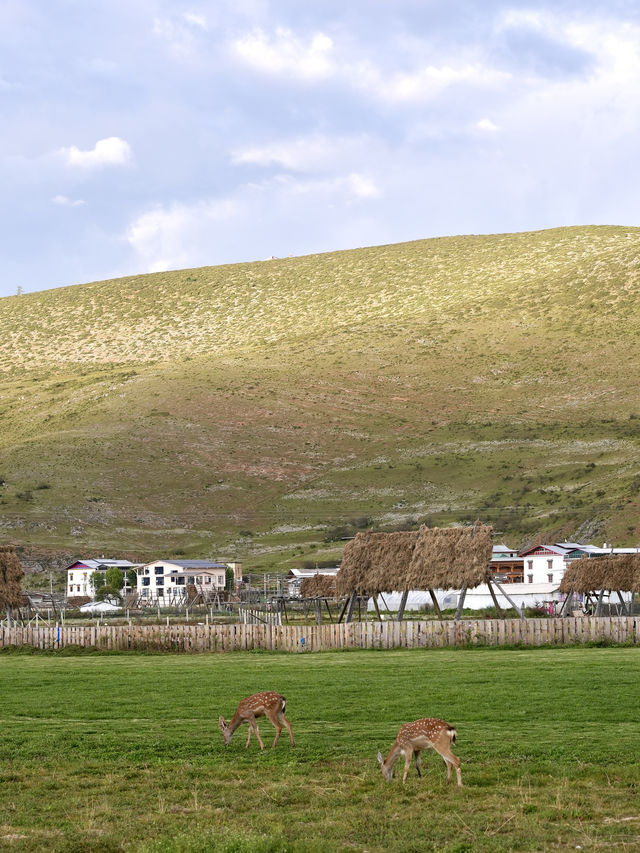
(123, 752)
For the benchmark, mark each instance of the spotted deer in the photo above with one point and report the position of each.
(266, 704)
(413, 738)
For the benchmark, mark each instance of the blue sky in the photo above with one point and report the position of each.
(147, 135)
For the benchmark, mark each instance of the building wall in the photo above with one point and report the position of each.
(164, 581)
(544, 568)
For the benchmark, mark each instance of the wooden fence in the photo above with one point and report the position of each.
(318, 638)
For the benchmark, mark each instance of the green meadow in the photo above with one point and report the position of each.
(260, 411)
(123, 752)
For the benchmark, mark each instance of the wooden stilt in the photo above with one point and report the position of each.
(351, 605)
(403, 604)
(493, 595)
(463, 593)
(599, 605)
(326, 601)
(436, 606)
(377, 609)
(566, 603)
(510, 600)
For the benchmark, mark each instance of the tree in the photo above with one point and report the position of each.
(114, 578)
(97, 581)
(109, 592)
(230, 580)
(132, 577)
(11, 574)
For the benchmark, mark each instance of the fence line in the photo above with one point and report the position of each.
(317, 638)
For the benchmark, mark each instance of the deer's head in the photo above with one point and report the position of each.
(226, 734)
(386, 772)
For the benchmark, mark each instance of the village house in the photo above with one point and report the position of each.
(165, 582)
(79, 582)
(506, 564)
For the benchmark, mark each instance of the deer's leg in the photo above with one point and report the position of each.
(418, 755)
(273, 718)
(407, 763)
(450, 760)
(284, 720)
(253, 726)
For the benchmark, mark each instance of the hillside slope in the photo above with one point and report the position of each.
(251, 410)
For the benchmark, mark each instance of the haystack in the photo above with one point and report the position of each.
(318, 586)
(584, 575)
(451, 558)
(622, 572)
(376, 562)
(11, 574)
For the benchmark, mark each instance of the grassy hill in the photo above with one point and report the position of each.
(258, 411)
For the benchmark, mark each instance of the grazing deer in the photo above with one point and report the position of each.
(413, 738)
(265, 704)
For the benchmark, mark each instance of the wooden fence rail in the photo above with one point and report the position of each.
(318, 638)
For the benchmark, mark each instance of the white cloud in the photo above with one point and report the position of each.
(195, 20)
(316, 58)
(172, 237)
(312, 153)
(112, 151)
(363, 186)
(64, 201)
(485, 124)
(429, 81)
(287, 54)
(259, 220)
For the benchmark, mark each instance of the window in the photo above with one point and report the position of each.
(159, 570)
(159, 581)
(146, 581)
(549, 564)
(173, 580)
(71, 576)
(220, 580)
(199, 580)
(530, 578)
(530, 565)
(550, 577)
(207, 578)
(180, 580)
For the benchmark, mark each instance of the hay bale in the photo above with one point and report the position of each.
(430, 558)
(622, 572)
(318, 586)
(450, 558)
(376, 562)
(11, 574)
(584, 575)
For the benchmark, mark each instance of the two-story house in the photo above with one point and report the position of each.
(165, 582)
(79, 582)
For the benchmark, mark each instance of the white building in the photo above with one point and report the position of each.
(79, 575)
(165, 582)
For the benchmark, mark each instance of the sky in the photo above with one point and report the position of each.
(145, 135)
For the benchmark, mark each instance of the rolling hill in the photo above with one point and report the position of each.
(262, 411)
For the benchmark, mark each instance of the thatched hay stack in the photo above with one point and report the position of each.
(376, 562)
(612, 571)
(584, 575)
(11, 574)
(318, 586)
(622, 572)
(450, 558)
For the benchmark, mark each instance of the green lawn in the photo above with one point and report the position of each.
(123, 752)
